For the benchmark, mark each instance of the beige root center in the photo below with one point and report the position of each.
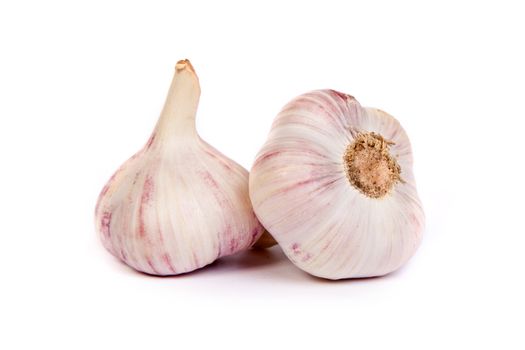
(369, 166)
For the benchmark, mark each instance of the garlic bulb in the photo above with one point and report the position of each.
(333, 184)
(178, 204)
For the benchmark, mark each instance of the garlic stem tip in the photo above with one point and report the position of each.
(184, 64)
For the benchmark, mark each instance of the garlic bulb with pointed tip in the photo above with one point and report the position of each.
(178, 204)
(333, 184)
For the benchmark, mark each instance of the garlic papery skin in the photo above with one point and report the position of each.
(333, 184)
(178, 204)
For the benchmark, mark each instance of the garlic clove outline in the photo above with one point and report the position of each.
(178, 204)
(333, 184)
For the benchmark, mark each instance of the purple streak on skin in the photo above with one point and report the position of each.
(222, 161)
(146, 196)
(123, 255)
(341, 95)
(106, 187)
(307, 257)
(150, 141)
(167, 260)
(234, 244)
(148, 189)
(330, 104)
(161, 238)
(267, 156)
(254, 234)
(337, 105)
(210, 154)
(296, 249)
(105, 190)
(105, 223)
(210, 180)
(150, 263)
(304, 183)
(142, 229)
(301, 184)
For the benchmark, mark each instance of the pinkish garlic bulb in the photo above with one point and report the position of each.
(333, 184)
(178, 204)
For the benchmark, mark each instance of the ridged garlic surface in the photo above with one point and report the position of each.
(178, 204)
(334, 186)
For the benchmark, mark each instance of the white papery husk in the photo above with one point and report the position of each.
(178, 204)
(301, 193)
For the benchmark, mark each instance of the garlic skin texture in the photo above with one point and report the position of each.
(178, 204)
(333, 184)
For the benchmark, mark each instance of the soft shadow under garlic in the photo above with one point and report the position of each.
(249, 261)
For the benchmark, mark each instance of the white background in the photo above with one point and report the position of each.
(81, 87)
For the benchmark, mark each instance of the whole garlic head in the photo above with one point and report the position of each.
(178, 204)
(333, 184)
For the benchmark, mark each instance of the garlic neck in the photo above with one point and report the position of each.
(370, 168)
(177, 119)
